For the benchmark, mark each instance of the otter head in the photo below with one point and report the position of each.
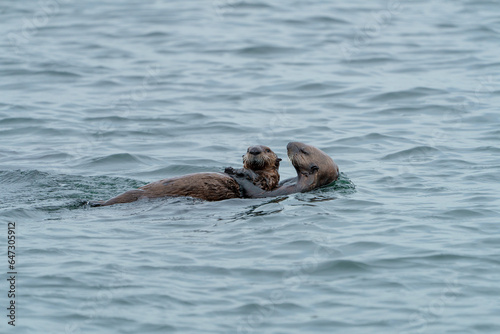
(260, 157)
(314, 167)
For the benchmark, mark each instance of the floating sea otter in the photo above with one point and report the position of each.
(260, 169)
(314, 169)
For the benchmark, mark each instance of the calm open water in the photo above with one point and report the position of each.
(98, 97)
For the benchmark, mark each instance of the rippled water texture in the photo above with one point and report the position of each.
(98, 97)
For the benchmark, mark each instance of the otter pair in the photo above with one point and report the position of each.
(314, 169)
(259, 177)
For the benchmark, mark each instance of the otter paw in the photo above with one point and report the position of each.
(241, 172)
(230, 170)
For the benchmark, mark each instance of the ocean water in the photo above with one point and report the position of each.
(99, 97)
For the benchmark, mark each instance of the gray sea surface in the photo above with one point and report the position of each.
(99, 97)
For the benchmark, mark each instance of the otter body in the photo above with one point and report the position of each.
(207, 186)
(260, 167)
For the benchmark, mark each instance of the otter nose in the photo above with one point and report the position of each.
(254, 150)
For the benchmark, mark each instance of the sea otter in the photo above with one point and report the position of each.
(260, 169)
(314, 169)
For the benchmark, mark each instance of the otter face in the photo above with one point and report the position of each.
(260, 157)
(312, 164)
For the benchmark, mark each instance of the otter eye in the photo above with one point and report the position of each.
(303, 151)
(268, 150)
(314, 168)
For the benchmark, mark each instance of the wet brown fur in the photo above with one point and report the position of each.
(261, 168)
(314, 169)
(265, 165)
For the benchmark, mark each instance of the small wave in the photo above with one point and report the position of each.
(491, 135)
(416, 110)
(463, 213)
(373, 137)
(317, 86)
(486, 65)
(452, 164)
(154, 34)
(112, 119)
(416, 154)
(102, 83)
(372, 61)
(266, 50)
(406, 94)
(339, 267)
(488, 149)
(327, 19)
(119, 158)
(59, 73)
(21, 121)
(251, 5)
(492, 177)
(343, 185)
(21, 176)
